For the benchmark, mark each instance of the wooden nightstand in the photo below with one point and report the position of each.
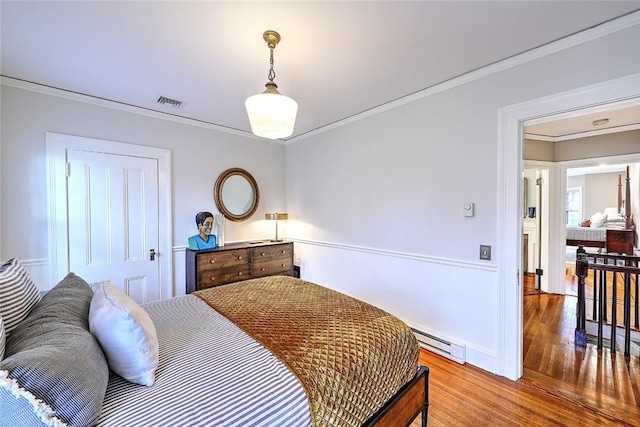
(235, 262)
(620, 241)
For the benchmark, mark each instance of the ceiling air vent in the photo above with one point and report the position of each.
(168, 101)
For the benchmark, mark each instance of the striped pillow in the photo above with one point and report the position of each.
(18, 294)
(2, 338)
(54, 372)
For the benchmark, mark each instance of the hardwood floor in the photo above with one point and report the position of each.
(562, 385)
(463, 395)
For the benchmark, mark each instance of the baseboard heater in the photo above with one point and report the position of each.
(440, 346)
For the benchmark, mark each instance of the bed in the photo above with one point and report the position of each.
(612, 230)
(269, 351)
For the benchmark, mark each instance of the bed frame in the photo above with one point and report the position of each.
(629, 225)
(409, 402)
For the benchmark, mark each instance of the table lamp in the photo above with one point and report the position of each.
(276, 217)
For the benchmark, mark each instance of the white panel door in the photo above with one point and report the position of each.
(113, 221)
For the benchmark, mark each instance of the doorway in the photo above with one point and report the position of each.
(538, 177)
(109, 214)
(511, 119)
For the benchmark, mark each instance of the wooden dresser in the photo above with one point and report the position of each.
(237, 261)
(620, 241)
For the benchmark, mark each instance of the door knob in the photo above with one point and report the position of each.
(152, 254)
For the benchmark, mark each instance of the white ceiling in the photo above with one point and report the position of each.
(336, 59)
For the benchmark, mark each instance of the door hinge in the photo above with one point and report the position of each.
(67, 169)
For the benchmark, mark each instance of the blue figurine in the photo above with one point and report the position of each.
(203, 240)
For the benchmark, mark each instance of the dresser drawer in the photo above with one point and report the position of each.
(269, 252)
(620, 241)
(273, 266)
(211, 278)
(222, 260)
(619, 236)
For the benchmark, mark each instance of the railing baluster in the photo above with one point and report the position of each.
(601, 308)
(627, 314)
(636, 301)
(614, 311)
(594, 313)
(603, 292)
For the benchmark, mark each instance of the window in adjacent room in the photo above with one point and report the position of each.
(574, 206)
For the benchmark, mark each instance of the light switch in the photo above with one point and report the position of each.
(485, 252)
(468, 208)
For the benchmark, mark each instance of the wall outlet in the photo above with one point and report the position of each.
(485, 252)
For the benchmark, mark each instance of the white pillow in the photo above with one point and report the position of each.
(126, 333)
(18, 294)
(611, 212)
(598, 219)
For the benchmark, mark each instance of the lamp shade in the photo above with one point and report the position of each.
(276, 216)
(271, 114)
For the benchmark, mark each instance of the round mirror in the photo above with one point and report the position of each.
(236, 194)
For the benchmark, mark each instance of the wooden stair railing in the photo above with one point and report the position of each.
(621, 266)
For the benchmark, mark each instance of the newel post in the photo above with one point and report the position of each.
(582, 269)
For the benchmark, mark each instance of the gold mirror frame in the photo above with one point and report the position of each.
(218, 196)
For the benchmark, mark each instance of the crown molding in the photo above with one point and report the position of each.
(580, 135)
(602, 30)
(107, 103)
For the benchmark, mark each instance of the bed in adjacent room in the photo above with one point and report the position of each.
(612, 230)
(269, 351)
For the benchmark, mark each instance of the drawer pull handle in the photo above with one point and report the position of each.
(284, 252)
(240, 257)
(212, 278)
(240, 274)
(284, 265)
(262, 269)
(262, 254)
(212, 261)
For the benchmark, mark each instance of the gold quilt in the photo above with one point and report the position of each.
(349, 356)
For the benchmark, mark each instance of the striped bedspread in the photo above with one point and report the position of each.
(210, 374)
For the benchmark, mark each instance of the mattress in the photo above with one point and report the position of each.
(210, 374)
(587, 233)
(594, 234)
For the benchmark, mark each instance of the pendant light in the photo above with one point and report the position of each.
(271, 114)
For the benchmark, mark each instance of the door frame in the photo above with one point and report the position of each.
(57, 145)
(509, 217)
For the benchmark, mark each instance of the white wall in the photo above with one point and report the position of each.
(377, 203)
(601, 192)
(612, 144)
(199, 155)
